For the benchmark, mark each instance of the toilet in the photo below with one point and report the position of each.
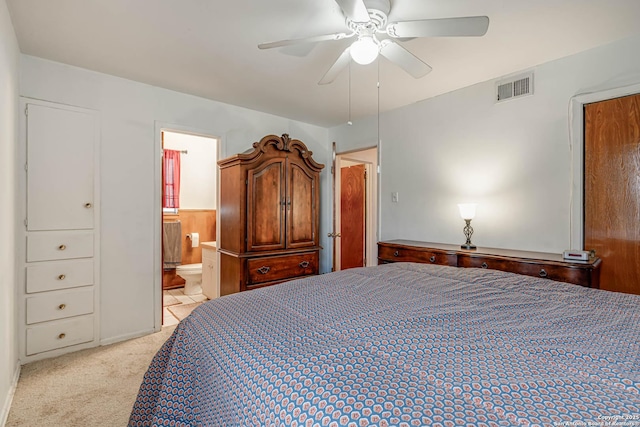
(192, 275)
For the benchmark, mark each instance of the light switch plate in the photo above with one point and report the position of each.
(394, 197)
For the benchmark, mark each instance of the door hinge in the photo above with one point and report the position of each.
(26, 166)
(332, 168)
(246, 182)
(26, 223)
(26, 110)
(365, 174)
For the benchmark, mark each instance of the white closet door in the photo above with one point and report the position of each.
(60, 159)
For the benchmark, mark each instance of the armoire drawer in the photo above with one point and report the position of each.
(268, 269)
(59, 305)
(56, 275)
(53, 245)
(59, 334)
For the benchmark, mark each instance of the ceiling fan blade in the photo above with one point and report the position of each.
(342, 61)
(354, 10)
(403, 58)
(445, 27)
(314, 39)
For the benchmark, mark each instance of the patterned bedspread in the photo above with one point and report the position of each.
(401, 345)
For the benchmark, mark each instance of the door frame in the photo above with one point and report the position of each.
(161, 127)
(576, 149)
(371, 208)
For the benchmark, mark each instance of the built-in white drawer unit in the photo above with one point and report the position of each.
(59, 334)
(50, 276)
(58, 305)
(52, 245)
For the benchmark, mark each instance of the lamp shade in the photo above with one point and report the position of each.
(364, 50)
(467, 210)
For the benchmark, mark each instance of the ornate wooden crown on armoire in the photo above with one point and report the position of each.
(269, 215)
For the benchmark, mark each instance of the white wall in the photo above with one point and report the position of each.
(129, 114)
(198, 169)
(9, 60)
(514, 159)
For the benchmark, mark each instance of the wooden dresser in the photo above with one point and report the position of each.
(538, 264)
(269, 215)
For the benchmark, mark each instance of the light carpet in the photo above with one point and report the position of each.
(94, 387)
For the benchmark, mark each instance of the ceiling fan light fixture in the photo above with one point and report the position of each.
(364, 50)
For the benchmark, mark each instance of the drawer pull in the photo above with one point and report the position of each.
(304, 264)
(396, 253)
(543, 273)
(62, 247)
(61, 336)
(433, 258)
(62, 306)
(88, 205)
(62, 277)
(264, 270)
(484, 265)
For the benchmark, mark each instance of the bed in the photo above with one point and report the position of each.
(401, 344)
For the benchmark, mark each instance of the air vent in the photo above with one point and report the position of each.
(514, 87)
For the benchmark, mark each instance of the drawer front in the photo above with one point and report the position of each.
(59, 305)
(282, 267)
(560, 273)
(427, 256)
(48, 246)
(59, 334)
(59, 275)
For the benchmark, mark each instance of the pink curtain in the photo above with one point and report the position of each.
(171, 179)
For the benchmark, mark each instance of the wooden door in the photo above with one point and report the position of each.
(266, 206)
(302, 206)
(352, 216)
(60, 159)
(612, 190)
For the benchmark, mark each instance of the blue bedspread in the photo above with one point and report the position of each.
(401, 345)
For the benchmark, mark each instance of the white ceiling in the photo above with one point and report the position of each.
(209, 47)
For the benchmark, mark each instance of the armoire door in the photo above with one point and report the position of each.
(302, 206)
(352, 216)
(612, 190)
(60, 168)
(266, 203)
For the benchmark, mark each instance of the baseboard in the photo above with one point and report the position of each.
(126, 337)
(4, 413)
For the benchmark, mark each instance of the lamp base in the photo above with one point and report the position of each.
(469, 247)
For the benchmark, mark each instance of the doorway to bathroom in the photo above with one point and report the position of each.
(189, 187)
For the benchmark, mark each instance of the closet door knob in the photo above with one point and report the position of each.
(61, 336)
(88, 205)
(62, 247)
(61, 277)
(62, 306)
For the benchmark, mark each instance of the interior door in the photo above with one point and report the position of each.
(612, 190)
(302, 214)
(60, 161)
(266, 206)
(352, 216)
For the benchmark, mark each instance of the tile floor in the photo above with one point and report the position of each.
(174, 297)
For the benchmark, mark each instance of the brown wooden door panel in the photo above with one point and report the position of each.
(612, 190)
(265, 206)
(301, 207)
(352, 216)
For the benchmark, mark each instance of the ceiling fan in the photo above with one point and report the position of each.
(367, 20)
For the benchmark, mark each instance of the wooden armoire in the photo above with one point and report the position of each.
(269, 215)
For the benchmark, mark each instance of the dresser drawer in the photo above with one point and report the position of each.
(561, 273)
(425, 256)
(56, 275)
(59, 334)
(58, 305)
(46, 246)
(269, 269)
